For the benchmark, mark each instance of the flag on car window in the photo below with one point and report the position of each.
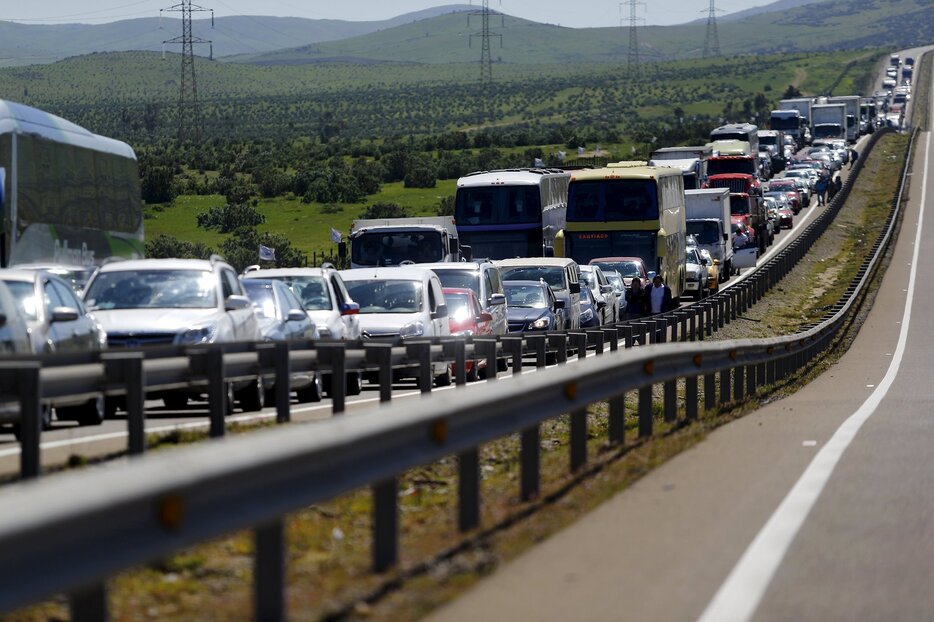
(266, 253)
(335, 235)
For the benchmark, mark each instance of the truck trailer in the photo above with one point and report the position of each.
(828, 121)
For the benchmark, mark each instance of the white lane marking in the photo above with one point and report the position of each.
(740, 595)
(809, 444)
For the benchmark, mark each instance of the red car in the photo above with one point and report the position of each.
(785, 217)
(467, 320)
(790, 188)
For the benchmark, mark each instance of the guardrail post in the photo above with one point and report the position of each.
(595, 338)
(692, 318)
(579, 344)
(468, 489)
(529, 463)
(761, 375)
(752, 372)
(646, 412)
(283, 387)
(560, 344)
(487, 351)
(771, 371)
(578, 439)
(708, 318)
(685, 336)
(672, 323)
(380, 354)
(652, 327)
(627, 336)
(731, 306)
(385, 525)
(715, 316)
(513, 345)
(690, 398)
(269, 571)
(738, 383)
(126, 368)
(218, 398)
(611, 335)
(725, 377)
(671, 401)
(421, 352)
(456, 349)
(722, 321)
(710, 391)
(89, 604)
(334, 356)
(538, 344)
(617, 420)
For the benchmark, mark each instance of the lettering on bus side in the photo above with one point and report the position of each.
(593, 236)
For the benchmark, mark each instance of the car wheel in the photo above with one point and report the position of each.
(354, 383)
(444, 380)
(90, 413)
(252, 398)
(311, 393)
(175, 400)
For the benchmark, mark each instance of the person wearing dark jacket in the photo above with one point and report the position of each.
(635, 300)
(658, 296)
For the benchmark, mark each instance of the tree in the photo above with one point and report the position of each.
(422, 173)
(446, 206)
(157, 184)
(168, 247)
(385, 210)
(242, 249)
(791, 92)
(230, 218)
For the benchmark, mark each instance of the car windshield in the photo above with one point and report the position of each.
(386, 296)
(615, 280)
(553, 275)
(152, 289)
(460, 279)
(691, 256)
(24, 292)
(459, 307)
(627, 269)
(262, 296)
(589, 278)
(312, 291)
(525, 296)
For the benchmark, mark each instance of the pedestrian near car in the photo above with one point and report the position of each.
(635, 300)
(658, 295)
(838, 183)
(854, 156)
(831, 190)
(821, 189)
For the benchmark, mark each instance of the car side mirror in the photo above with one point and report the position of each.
(496, 300)
(296, 315)
(64, 314)
(350, 308)
(560, 304)
(440, 312)
(606, 289)
(575, 288)
(237, 303)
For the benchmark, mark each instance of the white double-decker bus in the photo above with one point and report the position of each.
(511, 213)
(67, 196)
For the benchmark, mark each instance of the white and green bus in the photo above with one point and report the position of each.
(67, 196)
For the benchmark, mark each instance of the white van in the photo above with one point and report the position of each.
(404, 301)
(561, 274)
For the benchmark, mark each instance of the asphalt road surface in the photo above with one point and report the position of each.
(816, 507)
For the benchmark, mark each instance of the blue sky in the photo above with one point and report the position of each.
(564, 12)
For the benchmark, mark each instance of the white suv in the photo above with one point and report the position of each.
(175, 301)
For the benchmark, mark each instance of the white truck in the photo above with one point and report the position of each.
(852, 114)
(393, 241)
(828, 121)
(803, 106)
(691, 160)
(708, 219)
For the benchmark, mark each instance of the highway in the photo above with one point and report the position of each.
(815, 507)
(66, 439)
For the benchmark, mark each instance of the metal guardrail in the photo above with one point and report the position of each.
(71, 531)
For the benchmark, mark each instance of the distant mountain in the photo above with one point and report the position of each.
(25, 44)
(788, 25)
(773, 7)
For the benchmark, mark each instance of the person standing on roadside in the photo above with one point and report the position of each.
(838, 184)
(854, 156)
(635, 300)
(821, 189)
(658, 296)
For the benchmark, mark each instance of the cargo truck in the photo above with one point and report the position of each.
(803, 106)
(708, 220)
(828, 121)
(790, 123)
(852, 114)
(393, 241)
(692, 161)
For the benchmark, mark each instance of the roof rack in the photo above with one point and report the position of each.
(327, 265)
(253, 268)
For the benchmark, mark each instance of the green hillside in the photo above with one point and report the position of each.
(828, 25)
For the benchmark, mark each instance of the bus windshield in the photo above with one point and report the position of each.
(587, 246)
(382, 248)
(612, 200)
(497, 205)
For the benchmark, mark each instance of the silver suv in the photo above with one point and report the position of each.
(175, 301)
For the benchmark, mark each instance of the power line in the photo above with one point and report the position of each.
(189, 109)
(712, 43)
(485, 34)
(632, 63)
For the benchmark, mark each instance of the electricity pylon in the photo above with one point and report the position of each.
(632, 64)
(712, 43)
(189, 109)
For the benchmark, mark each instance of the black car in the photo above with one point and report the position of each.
(532, 306)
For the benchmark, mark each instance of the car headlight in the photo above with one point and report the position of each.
(586, 315)
(195, 336)
(541, 323)
(412, 329)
